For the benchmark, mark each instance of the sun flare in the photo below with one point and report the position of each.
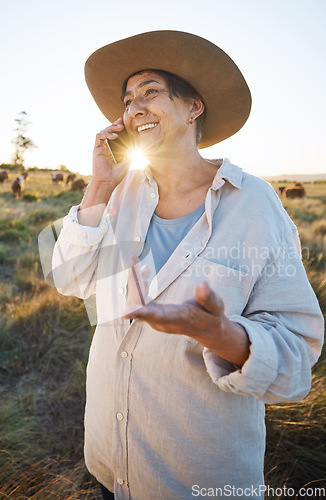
(139, 160)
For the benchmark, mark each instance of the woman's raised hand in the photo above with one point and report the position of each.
(107, 174)
(105, 169)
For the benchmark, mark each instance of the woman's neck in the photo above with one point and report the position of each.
(181, 171)
(183, 182)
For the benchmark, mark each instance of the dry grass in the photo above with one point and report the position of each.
(44, 341)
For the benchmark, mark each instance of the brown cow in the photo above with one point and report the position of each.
(70, 178)
(4, 176)
(280, 190)
(79, 184)
(18, 187)
(57, 177)
(294, 192)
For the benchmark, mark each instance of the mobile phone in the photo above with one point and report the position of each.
(121, 147)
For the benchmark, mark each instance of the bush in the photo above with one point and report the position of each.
(9, 166)
(30, 197)
(304, 216)
(24, 283)
(4, 254)
(12, 235)
(41, 215)
(19, 225)
(320, 229)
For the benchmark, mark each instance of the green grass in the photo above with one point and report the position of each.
(44, 348)
(4, 254)
(30, 197)
(44, 342)
(41, 215)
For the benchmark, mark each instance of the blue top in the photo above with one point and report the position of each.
(164, 235)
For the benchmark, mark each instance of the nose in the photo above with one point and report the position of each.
(136, 108)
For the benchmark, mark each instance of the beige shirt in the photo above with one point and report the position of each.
(165, 417)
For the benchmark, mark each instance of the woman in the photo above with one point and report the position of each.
(182, 361)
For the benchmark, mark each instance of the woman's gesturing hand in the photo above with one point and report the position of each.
(105, 169)
(201, 318)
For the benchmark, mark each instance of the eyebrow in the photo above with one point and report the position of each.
(142, 84)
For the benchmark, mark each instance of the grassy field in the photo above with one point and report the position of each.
(45, 339)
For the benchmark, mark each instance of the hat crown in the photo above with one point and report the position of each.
(198, 61)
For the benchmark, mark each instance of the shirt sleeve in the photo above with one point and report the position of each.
(285, 326)
(75, 255)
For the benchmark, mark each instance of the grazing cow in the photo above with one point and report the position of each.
(280, 190)
(18, 187)
(70, 178)
(294, 192)
(79, 184)
(4, 176)
(57, 177)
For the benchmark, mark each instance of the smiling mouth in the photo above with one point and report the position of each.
(146, 127)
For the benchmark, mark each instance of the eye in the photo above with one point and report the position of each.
(127, 103)
(149, 92)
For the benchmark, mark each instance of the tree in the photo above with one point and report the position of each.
(21, 141)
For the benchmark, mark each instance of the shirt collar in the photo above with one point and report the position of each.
(148, 175)
(227, 171)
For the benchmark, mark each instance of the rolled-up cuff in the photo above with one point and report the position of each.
(85, 236)
(259, 370)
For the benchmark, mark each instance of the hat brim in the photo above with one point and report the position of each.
(201, 63)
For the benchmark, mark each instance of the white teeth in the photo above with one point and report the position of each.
(144, 127)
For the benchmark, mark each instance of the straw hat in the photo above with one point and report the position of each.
(201, 63)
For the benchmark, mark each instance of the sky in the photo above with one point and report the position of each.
(278, 45)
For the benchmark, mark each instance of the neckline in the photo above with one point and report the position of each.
(180, 220)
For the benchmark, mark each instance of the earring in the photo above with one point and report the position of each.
(190, 120)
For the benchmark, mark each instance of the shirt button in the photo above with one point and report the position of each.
(124, 354)
(138, 238)
(121, 290)
(119, 480)
(119, 416)
(153, 195)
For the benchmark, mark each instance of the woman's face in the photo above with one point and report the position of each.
(151, 117)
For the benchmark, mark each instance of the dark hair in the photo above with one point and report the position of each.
(178, 87)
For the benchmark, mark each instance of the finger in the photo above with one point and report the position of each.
(118, 121)
(209, 300)
(149, 312)
(115, 126)
(108, 133)
(165, 315)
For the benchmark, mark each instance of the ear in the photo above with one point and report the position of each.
(197, 108)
